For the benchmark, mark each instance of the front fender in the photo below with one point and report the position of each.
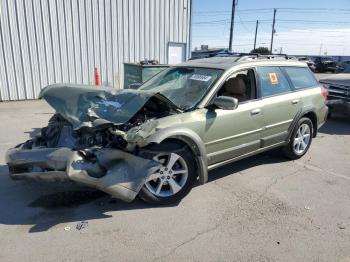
(189, 137)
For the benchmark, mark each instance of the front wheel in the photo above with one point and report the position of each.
(172, 181)
(300, 140)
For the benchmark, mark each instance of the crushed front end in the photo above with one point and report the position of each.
(95, 145)
(113, 171)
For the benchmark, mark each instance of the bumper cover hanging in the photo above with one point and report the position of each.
(115, 172)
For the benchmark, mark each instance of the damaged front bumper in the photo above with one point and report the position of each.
(113, 171)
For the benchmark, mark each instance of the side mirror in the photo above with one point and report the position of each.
(226, 102)
(135, 85)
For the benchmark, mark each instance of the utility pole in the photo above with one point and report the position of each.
(234, 3)
(273, 28)
(321, 45)
(256, 32)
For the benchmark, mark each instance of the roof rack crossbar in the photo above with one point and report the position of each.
(260, 56)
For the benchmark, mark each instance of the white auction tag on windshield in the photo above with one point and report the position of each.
(203, 78)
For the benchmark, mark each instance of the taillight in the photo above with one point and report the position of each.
(324, 91)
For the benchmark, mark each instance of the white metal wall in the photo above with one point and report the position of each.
(52, 41)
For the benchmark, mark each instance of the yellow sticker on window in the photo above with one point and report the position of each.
(273, 78)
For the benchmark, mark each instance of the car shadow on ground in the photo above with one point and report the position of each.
(41, 206)
(266, 158)
(336, 125)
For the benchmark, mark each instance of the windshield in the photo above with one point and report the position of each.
(184, 86)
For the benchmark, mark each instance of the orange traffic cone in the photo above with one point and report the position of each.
(97, 77)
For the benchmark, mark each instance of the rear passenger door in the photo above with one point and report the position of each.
(280, 104)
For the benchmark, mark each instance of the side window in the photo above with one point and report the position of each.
(272, 81)
(240, 85)
(301, 77)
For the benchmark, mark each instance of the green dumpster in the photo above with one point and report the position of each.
(138, 73)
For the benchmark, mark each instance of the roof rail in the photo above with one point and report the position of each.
(254, 56)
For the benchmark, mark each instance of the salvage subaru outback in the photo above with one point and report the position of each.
(156, 141)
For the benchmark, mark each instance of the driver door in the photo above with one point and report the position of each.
(231, 133)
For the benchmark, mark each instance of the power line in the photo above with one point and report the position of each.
(224, 21)
(212, 21)
(225, 11)
(316, 9)
(286, 41)
(283, 9)
(243, 24)
(228, 12)
(263, 12)
(265, 30)
(309, 44)
(313, 21)
(293, 23)
(312, 11)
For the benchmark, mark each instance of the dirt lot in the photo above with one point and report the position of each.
(260, 209)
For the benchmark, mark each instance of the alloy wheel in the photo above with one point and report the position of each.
(302, 139)
(170, 178)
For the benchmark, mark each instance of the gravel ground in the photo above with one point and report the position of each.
(259, 209)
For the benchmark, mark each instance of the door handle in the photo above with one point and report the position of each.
(255, 111)
(295, 101)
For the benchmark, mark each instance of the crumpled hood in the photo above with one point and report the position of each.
(80, 104)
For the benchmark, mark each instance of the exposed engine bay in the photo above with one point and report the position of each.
(60, 133)
(93, 139)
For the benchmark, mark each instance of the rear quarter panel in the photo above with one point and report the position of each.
(313, 100)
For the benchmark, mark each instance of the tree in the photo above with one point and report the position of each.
(261, 50)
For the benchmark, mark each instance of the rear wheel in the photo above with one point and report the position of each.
(172, 181)
(301, 139)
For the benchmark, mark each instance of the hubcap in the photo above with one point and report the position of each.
(302, 139)
(170, 178)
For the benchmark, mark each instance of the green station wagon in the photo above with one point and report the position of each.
(157, 141)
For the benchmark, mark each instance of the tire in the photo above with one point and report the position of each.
(167, 194)
(297, 146)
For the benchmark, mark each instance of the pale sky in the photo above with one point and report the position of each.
(302, 26)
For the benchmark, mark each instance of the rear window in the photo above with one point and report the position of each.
(272, 81)
(301, 77)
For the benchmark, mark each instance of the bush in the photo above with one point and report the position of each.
(261, 50)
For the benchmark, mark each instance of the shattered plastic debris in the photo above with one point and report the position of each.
(66, 228)
(81, 225)
(307, 208)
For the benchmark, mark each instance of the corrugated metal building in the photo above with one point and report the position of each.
(51, 41)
